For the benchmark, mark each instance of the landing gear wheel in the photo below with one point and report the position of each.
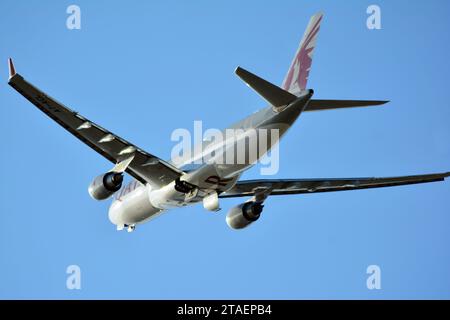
(183, 186)
(131, 228)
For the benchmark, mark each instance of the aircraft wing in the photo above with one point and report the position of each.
(145, 167)
(299, 186)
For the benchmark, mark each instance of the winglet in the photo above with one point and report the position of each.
(12, 70)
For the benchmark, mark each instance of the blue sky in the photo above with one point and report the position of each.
(143, 69)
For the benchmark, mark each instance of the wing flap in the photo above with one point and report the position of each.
(300, 186)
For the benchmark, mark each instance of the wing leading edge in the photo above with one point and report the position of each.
(145, 167)
(299, 186)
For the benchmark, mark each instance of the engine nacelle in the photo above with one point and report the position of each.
(105, 185)
(244, 214)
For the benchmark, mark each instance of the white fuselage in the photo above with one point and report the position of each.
(137, 203)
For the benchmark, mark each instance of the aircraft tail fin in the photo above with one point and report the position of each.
(297, 76)
(273, 94)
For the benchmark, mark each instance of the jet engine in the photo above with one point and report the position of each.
(244, 214)
(105, 185)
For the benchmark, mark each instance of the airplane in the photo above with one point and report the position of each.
(160, 185)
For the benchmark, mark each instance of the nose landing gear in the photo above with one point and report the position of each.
(130, 228)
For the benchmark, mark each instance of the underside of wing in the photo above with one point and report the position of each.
(145, 167)
(299, 186)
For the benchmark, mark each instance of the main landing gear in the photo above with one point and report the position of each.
(188, 189)
(184, 186)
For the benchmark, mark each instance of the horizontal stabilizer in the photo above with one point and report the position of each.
(317, 105)
(276, 96)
